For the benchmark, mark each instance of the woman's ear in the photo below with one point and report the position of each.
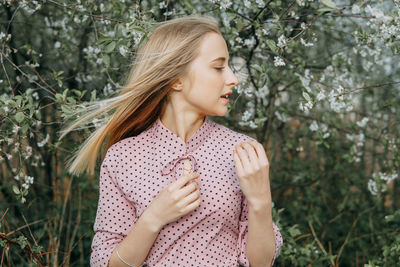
(177, 85)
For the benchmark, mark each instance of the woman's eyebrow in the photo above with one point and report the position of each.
(219, 59)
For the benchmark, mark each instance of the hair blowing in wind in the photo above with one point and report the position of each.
(158, 62)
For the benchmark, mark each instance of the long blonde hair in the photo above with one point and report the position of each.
(158, 63)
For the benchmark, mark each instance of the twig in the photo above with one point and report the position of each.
(22, 227)
(2, 49)
(75, 9)
(350, 15)
(319, 242)
(26, 248)
(345, 241)
(23, 73)
(2, 217)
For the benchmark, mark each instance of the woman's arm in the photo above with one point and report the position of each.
(117, 223)
(137, 244)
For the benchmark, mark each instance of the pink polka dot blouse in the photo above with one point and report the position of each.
(134, 171)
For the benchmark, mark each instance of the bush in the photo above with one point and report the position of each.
(318, 87)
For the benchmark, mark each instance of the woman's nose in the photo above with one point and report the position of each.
(232, 79)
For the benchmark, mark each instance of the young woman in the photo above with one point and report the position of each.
(176, 188)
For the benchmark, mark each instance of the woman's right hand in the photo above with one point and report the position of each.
(175, 200)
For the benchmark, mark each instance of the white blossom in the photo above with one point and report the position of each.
(4, 36)
(350, 137)
(326, 135)
(361, 138)
(44, 141)
(372, 187)
(35, 95)
(25, 185)
(314, 126)
(29, 179)
(253, 125)
(250, 42)
(306, 79)
(162, 4)
(281, 116)
(324, 127)
(246, 115)
(304, 42)
(363, 122)
(260, 3)
(384, 176)
(306, 107)
(278, 61)
(355, 9)
(16, 128)
(281, 41)
(321, 96)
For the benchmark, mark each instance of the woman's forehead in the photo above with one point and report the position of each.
(213, 48)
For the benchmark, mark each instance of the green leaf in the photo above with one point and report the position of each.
(24, 192)
(257, 68)
(65, 93)
(106, 60)
(66, 109)
(25, 128)
(38, 115)
(326, 145)
(306, 96)
(19, 100)
(144, 37)
(324, 9)
(16, 190)
(19, 116)
(294, 231)
(110, 47)
(103, 39)
(271, 44)
(21, 240)
(329, 3)
(37, 249)
(59, 98)
(93, 95)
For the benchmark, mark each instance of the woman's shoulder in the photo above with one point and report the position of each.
(230, 135)
(132, 142)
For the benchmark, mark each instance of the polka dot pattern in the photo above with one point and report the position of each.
(135, 170)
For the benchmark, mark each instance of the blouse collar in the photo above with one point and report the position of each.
(172, 149)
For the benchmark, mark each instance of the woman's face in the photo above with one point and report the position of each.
(209, 78)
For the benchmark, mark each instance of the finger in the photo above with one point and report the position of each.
(190, 198)
(244, 158)
(192, 206)
(184, 191)
(260, 152)
(254, 161)
(238, 163)
(183, 180)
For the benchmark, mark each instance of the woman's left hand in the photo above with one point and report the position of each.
(252, 168)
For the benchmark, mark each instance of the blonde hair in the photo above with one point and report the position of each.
(158, 63)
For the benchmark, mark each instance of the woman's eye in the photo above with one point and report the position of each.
(219, 69)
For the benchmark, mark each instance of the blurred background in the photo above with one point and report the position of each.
(319, 88)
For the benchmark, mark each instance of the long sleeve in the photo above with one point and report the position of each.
(243, 233)
(115, 214)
